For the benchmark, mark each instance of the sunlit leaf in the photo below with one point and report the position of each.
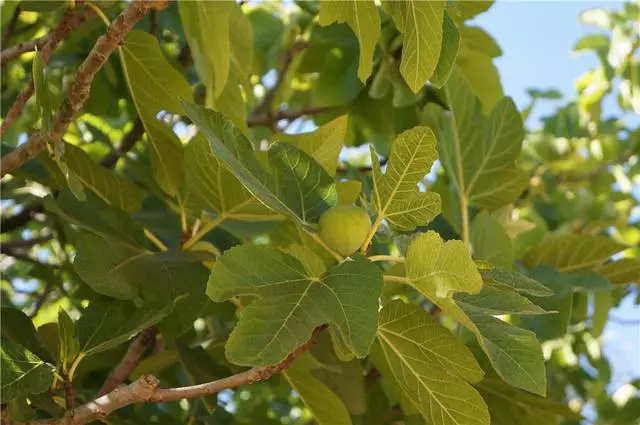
(420, 23)
(156, 87)
(574, 252)
(362, 16)
(22, 371)
(479, 154)
(433, 370)
(112, 188)
(448, 52)
(323, 144)
(395, 193)
(293, 183)
(290, 302)
(441, 268)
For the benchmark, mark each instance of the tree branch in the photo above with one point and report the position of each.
(69, 393)
(108, 161)
(11, 26)
(8, 246)
(40, 300)
(145, 390)
(268, 120)
(130, 360)
(20, 219)
(288, 56)
(79, 92)
(24, 47)
(126, 144)
(69, 22)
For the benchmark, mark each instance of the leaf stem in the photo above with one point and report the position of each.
(320, 242)
(74, 366)
(154, 239)
(372, 233)
(203, 231)
(395, 279)
(99, 12)
(390, 258)
(464, 218)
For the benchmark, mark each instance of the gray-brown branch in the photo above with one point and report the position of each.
(79, 92)
(130, 360)
(145, 390)
(68, 23)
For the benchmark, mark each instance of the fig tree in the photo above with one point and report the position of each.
(344, 228)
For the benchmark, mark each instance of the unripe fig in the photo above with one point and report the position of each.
(344, 228)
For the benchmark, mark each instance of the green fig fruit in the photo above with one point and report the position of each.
(344, 228)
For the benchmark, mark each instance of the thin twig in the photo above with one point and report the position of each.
(390, 258)
(20, 219)
(126, 144)
(130, 360)
(40, 300)
(24, 47)
(145, 390)
(69, 22)
(11, 26)
(11, 245)
(266, 105)
(269, 120)
(79, 92)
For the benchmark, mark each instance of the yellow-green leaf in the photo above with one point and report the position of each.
(289, 301)
(210, 186)
(323, 144)
(571, 253)
(479, 154)
(156, 86)
(420, 23)
(112, 188)
(348, 192)
(325, 406)
(448, 52)
(432, 369)
(441, 268)
(363, 18)
(206, 25)
(395, 193)
(22, 372)
(626, 270)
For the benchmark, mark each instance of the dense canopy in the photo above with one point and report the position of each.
(166, 170)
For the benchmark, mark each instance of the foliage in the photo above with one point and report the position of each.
(173, 229)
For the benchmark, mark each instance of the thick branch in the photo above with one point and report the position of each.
(145, 390)
(69, 22)
(79, 92)
(130, 360)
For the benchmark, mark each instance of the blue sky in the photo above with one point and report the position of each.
(537, 39)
